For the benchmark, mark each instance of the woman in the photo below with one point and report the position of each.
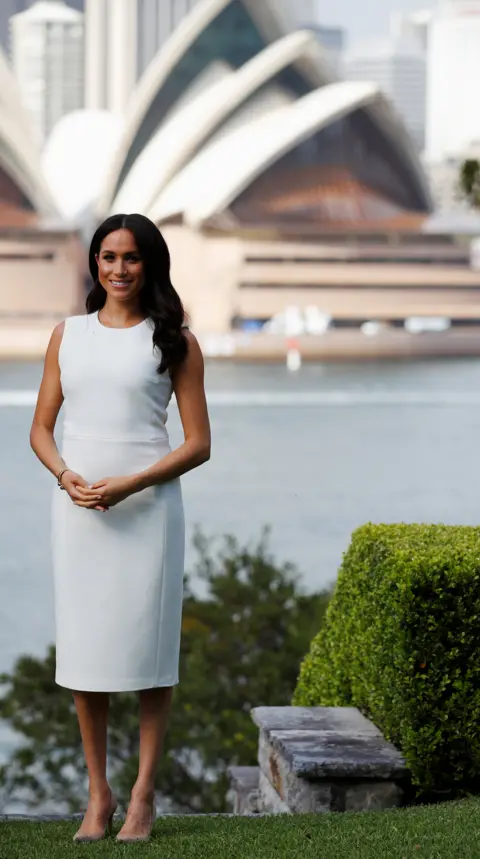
(118, 527)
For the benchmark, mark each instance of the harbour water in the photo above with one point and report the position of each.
(313, 454)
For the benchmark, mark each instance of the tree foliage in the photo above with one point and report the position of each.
(242, 643)
(470, 181)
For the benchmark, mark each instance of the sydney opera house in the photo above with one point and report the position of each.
(275, 184)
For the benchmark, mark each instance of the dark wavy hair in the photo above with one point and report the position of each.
(158, 298)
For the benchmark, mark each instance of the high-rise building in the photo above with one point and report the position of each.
(402, 76)
(412, 27)
(110, 54)
(12, 7)
(399, 67)
(47, 59)
(7, 9)
(453, 121)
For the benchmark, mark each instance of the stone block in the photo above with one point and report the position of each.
(269, 801)
(329, 743)
(245, 790)
(299, 795)
(322, 759)
(342, 720)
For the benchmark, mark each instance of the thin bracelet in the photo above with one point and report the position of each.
(59, 478)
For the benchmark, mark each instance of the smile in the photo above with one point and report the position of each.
(120, 283)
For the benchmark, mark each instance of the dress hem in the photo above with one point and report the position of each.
(133, 686)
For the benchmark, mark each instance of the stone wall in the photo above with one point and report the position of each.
(317, 760)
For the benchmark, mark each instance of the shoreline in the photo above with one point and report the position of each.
(27, 341)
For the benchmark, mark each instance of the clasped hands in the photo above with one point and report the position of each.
(102, 495)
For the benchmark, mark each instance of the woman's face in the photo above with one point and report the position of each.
(120, 268)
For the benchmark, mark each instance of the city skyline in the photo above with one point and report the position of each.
(123, 38)
(365, 23)
(361, 24)
(239, 139)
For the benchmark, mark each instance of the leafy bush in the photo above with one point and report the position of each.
(401, 641)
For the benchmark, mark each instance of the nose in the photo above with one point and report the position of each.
(120, 268)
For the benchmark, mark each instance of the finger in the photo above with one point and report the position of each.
(89, 505)
(75, 496)
(86, 492)
(99, 484)
(91, 490)
(77, 491)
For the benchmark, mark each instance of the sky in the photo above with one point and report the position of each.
(366, 20)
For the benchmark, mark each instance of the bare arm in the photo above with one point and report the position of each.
(50, 399)
(42, 440)
(188, 384)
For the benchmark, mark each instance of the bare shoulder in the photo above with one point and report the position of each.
(57, 336)
(58, 330)
(191, 339)
(194, 355)
(53, 348)
(192, 366)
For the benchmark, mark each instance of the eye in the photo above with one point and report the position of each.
(108, 257)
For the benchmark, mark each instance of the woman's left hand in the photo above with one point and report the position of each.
(109, 490)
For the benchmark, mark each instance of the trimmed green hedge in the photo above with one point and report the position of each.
(401, 641)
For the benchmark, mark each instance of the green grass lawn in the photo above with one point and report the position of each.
(449, 831)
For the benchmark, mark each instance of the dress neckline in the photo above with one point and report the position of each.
(124, 328)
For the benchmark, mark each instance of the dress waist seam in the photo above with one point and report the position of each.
(120, 439)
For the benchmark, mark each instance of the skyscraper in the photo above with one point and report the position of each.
(412, 27)
(47, 59)
(12, 7)
(401, 74)
(110, 54)
(399, 67)
(7, 9)
(453, 121)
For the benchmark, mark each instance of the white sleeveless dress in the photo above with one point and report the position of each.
(118, 576)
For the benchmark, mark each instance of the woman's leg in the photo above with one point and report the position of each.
(154, 712)
(92, 712)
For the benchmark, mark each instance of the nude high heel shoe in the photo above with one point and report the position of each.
(130, 839)
(107, 829)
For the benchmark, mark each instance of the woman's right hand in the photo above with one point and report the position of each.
(70, 480)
